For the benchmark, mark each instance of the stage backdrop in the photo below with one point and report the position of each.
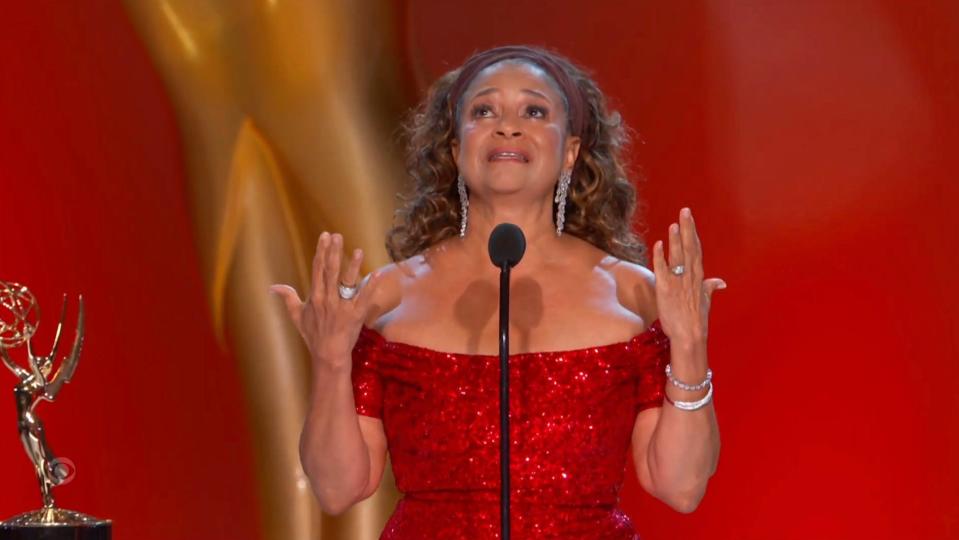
(813, 140)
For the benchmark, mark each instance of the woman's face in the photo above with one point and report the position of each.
(512, 135)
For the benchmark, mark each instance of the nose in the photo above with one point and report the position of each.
(508, 127)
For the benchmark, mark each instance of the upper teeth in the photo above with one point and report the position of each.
(509, 155)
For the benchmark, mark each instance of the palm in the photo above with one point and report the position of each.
(683, 299)
(328, 323)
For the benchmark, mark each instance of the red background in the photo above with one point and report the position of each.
(812, 140)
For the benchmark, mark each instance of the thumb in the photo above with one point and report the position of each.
(712, 284)
(290, 298)
(367, 289)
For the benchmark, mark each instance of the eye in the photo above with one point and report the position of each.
(535, 111)
(481, 111)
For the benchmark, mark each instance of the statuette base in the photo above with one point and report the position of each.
(55, 524)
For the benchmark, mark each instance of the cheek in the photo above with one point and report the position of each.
(468, 139)
(552, 137)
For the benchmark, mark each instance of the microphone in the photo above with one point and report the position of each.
(507, 244)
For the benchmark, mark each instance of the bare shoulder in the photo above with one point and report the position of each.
(388, 283)
(635, 286)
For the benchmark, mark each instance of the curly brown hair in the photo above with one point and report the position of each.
(601, 200)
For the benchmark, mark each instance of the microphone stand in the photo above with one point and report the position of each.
(504, 398)
(506, 247)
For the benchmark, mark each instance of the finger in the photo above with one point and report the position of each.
(291, 299)
(692, 249)
(317, 288)
(323, 286)
(659, 260)
(332, 268)
(353, 269)
(675, 246)
(364, 300)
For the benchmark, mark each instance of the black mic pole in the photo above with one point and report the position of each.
(506, 247)
(504, 398)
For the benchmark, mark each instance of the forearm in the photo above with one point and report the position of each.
(332, 450)
(684, 448)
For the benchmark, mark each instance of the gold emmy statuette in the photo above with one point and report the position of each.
(19, 317)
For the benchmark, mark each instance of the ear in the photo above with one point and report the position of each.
(455, 151)
(571, 151)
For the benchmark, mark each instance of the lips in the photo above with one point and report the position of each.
(508, 154)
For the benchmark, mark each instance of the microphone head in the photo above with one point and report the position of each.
(507, 244)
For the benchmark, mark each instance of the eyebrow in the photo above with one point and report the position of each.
(491, 90)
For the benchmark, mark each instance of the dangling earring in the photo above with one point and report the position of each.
(464, 204)
(562, 188)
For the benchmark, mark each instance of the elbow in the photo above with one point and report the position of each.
(334, 508)
(684, 502)
(684, 505)
(332, 502)
(685, 496)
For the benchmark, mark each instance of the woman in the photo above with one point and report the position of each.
(519, 135)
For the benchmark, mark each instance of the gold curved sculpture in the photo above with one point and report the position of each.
(286, 111)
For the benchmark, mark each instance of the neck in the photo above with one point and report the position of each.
(536, 222)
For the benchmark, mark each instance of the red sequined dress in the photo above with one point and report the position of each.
(571, 419)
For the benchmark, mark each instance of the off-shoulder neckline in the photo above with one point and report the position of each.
(652, 328)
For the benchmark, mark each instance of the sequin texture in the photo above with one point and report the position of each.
(571, 419)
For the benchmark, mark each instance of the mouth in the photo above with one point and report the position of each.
(508, 154)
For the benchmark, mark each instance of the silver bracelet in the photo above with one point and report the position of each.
(690, 387)
(692, 405)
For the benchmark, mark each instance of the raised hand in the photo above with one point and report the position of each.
(683, 297)
(328, 323)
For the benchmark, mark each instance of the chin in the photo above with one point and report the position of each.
(507, 179)
(506, 186)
